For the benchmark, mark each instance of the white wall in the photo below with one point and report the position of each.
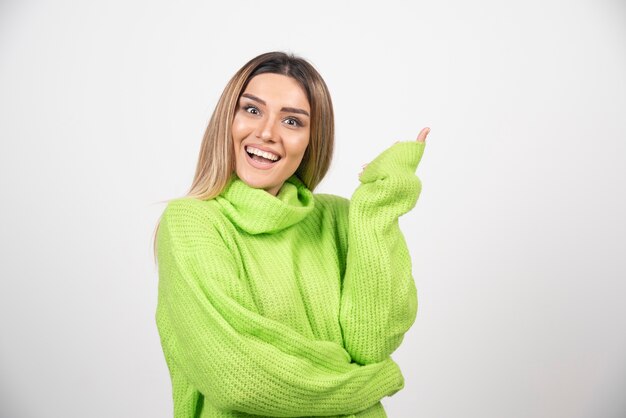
(518, 238)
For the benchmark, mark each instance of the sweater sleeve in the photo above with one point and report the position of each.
(238, 359)
(379, 297)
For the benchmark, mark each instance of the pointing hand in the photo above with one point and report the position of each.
(421, 137)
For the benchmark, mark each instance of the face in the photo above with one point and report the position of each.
(271, 130)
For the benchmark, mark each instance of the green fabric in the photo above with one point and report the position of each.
(288, 305)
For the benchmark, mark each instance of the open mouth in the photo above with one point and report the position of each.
(265, 158)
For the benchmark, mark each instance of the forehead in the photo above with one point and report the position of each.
(278, 90)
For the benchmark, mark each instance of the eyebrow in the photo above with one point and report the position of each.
(284, 109)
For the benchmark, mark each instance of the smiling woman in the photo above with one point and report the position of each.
(274, 300)
(270, 131)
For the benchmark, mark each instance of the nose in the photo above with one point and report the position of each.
(266, 129)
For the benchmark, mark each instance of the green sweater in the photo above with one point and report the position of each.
(288, 305)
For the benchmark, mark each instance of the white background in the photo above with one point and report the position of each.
(518, 238)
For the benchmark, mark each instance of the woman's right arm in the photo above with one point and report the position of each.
(238, 359)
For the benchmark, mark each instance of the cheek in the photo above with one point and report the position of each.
(298, 147)
(236, 131)
(239, 129)
(306, 142)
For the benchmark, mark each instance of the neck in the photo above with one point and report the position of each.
(257, 210)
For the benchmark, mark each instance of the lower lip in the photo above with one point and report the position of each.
(258, 164)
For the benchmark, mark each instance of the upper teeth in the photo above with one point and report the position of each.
(262, 153)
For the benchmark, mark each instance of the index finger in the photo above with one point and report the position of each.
(422, 135)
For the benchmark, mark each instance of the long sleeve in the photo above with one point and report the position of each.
(379, 297)
(238, 359)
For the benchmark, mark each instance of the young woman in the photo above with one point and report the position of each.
(275, 301)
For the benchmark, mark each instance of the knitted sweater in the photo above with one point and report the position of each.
(288, 305)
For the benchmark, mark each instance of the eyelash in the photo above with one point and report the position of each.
(247, 107)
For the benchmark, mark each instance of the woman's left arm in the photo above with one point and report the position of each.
(379, 297)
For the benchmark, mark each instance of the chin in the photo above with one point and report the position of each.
(255, 180)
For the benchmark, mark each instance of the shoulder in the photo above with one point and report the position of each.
(332, 202)
(336, 206)
(189, 210)
(337, 210)
(189, 220)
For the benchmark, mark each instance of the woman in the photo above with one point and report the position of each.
(274, 301)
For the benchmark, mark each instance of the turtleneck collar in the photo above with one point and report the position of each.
(257, 211)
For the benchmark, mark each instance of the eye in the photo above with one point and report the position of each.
(251, 109)
(293, 122)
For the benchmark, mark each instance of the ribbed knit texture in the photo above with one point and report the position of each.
(288, 305)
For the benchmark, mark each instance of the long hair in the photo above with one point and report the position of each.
(216, 161)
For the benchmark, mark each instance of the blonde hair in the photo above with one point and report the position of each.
(216, 162)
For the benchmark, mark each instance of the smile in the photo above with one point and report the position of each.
(261, 159)
(251, 149)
